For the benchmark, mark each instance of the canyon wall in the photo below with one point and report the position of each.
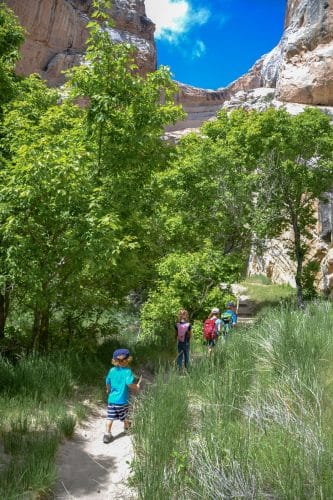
(300, 67)
(298, 70)
(306, 71)
(56, 34)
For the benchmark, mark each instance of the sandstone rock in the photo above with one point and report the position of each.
(264, 73)
(145, 48)
(306, 73)
(299, 70)
(130, 15)
(199, 104)
(52, 28)
(264, 98)
(56, 34)
(275, 262)
(258, 99)
(327, 273)
(325, 219)
(301, 66)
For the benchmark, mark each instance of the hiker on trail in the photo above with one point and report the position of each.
(211, 328)
(228, 319)
(183, 335)
(118, 382)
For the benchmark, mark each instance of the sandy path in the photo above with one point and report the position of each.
(90, 469)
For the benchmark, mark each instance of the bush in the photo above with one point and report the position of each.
(187, 280)
(66, 424)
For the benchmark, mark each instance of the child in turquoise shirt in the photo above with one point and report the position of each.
(118, 382)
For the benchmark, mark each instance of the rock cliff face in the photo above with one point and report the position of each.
(306, 72)
(199, 105)
(300, 68)
(56, 34)
(276, 264)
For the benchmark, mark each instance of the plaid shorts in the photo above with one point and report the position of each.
(117, 412)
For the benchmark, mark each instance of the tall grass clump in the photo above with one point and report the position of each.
(32, 467)
(160, 436)
(260, 412)
(38, 402)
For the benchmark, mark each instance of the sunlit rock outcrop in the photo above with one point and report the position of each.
(300, 68)
(56, 34)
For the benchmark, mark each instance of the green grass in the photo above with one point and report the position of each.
(40, 405)
(161, 421)
(32, 467)
(254, 421)
(264, 293)
(260, 279)
(66, 424)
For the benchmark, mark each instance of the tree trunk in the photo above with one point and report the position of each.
(44, 329)
(40, 330)
(299, 254)
(2, 316)
(4, 308)
(35, 330)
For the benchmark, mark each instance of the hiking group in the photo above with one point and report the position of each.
(120, 379)
(214, 327)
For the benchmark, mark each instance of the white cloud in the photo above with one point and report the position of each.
(199, 49)
(174, 18)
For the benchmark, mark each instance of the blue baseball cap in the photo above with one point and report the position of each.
(121, 354)
(230, 304)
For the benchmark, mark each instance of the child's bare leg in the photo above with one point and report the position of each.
(126, 424)
(107, 438)
(108, 426)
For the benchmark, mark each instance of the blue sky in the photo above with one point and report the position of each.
(210, 43)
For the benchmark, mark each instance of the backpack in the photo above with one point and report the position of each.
(226, 318)
(182, 329)
(209, 330)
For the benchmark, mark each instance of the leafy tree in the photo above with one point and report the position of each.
(124, 124)
(295, 168)
(11, 38)
(190, 280)
(204, 209)
(75, 195)
(44, 200)
(61, 248)
(206, 194)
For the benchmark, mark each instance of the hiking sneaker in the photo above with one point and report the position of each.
(107, 438)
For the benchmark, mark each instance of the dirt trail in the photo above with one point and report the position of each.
(90, 469)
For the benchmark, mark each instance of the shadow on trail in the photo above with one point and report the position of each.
(83, 475)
